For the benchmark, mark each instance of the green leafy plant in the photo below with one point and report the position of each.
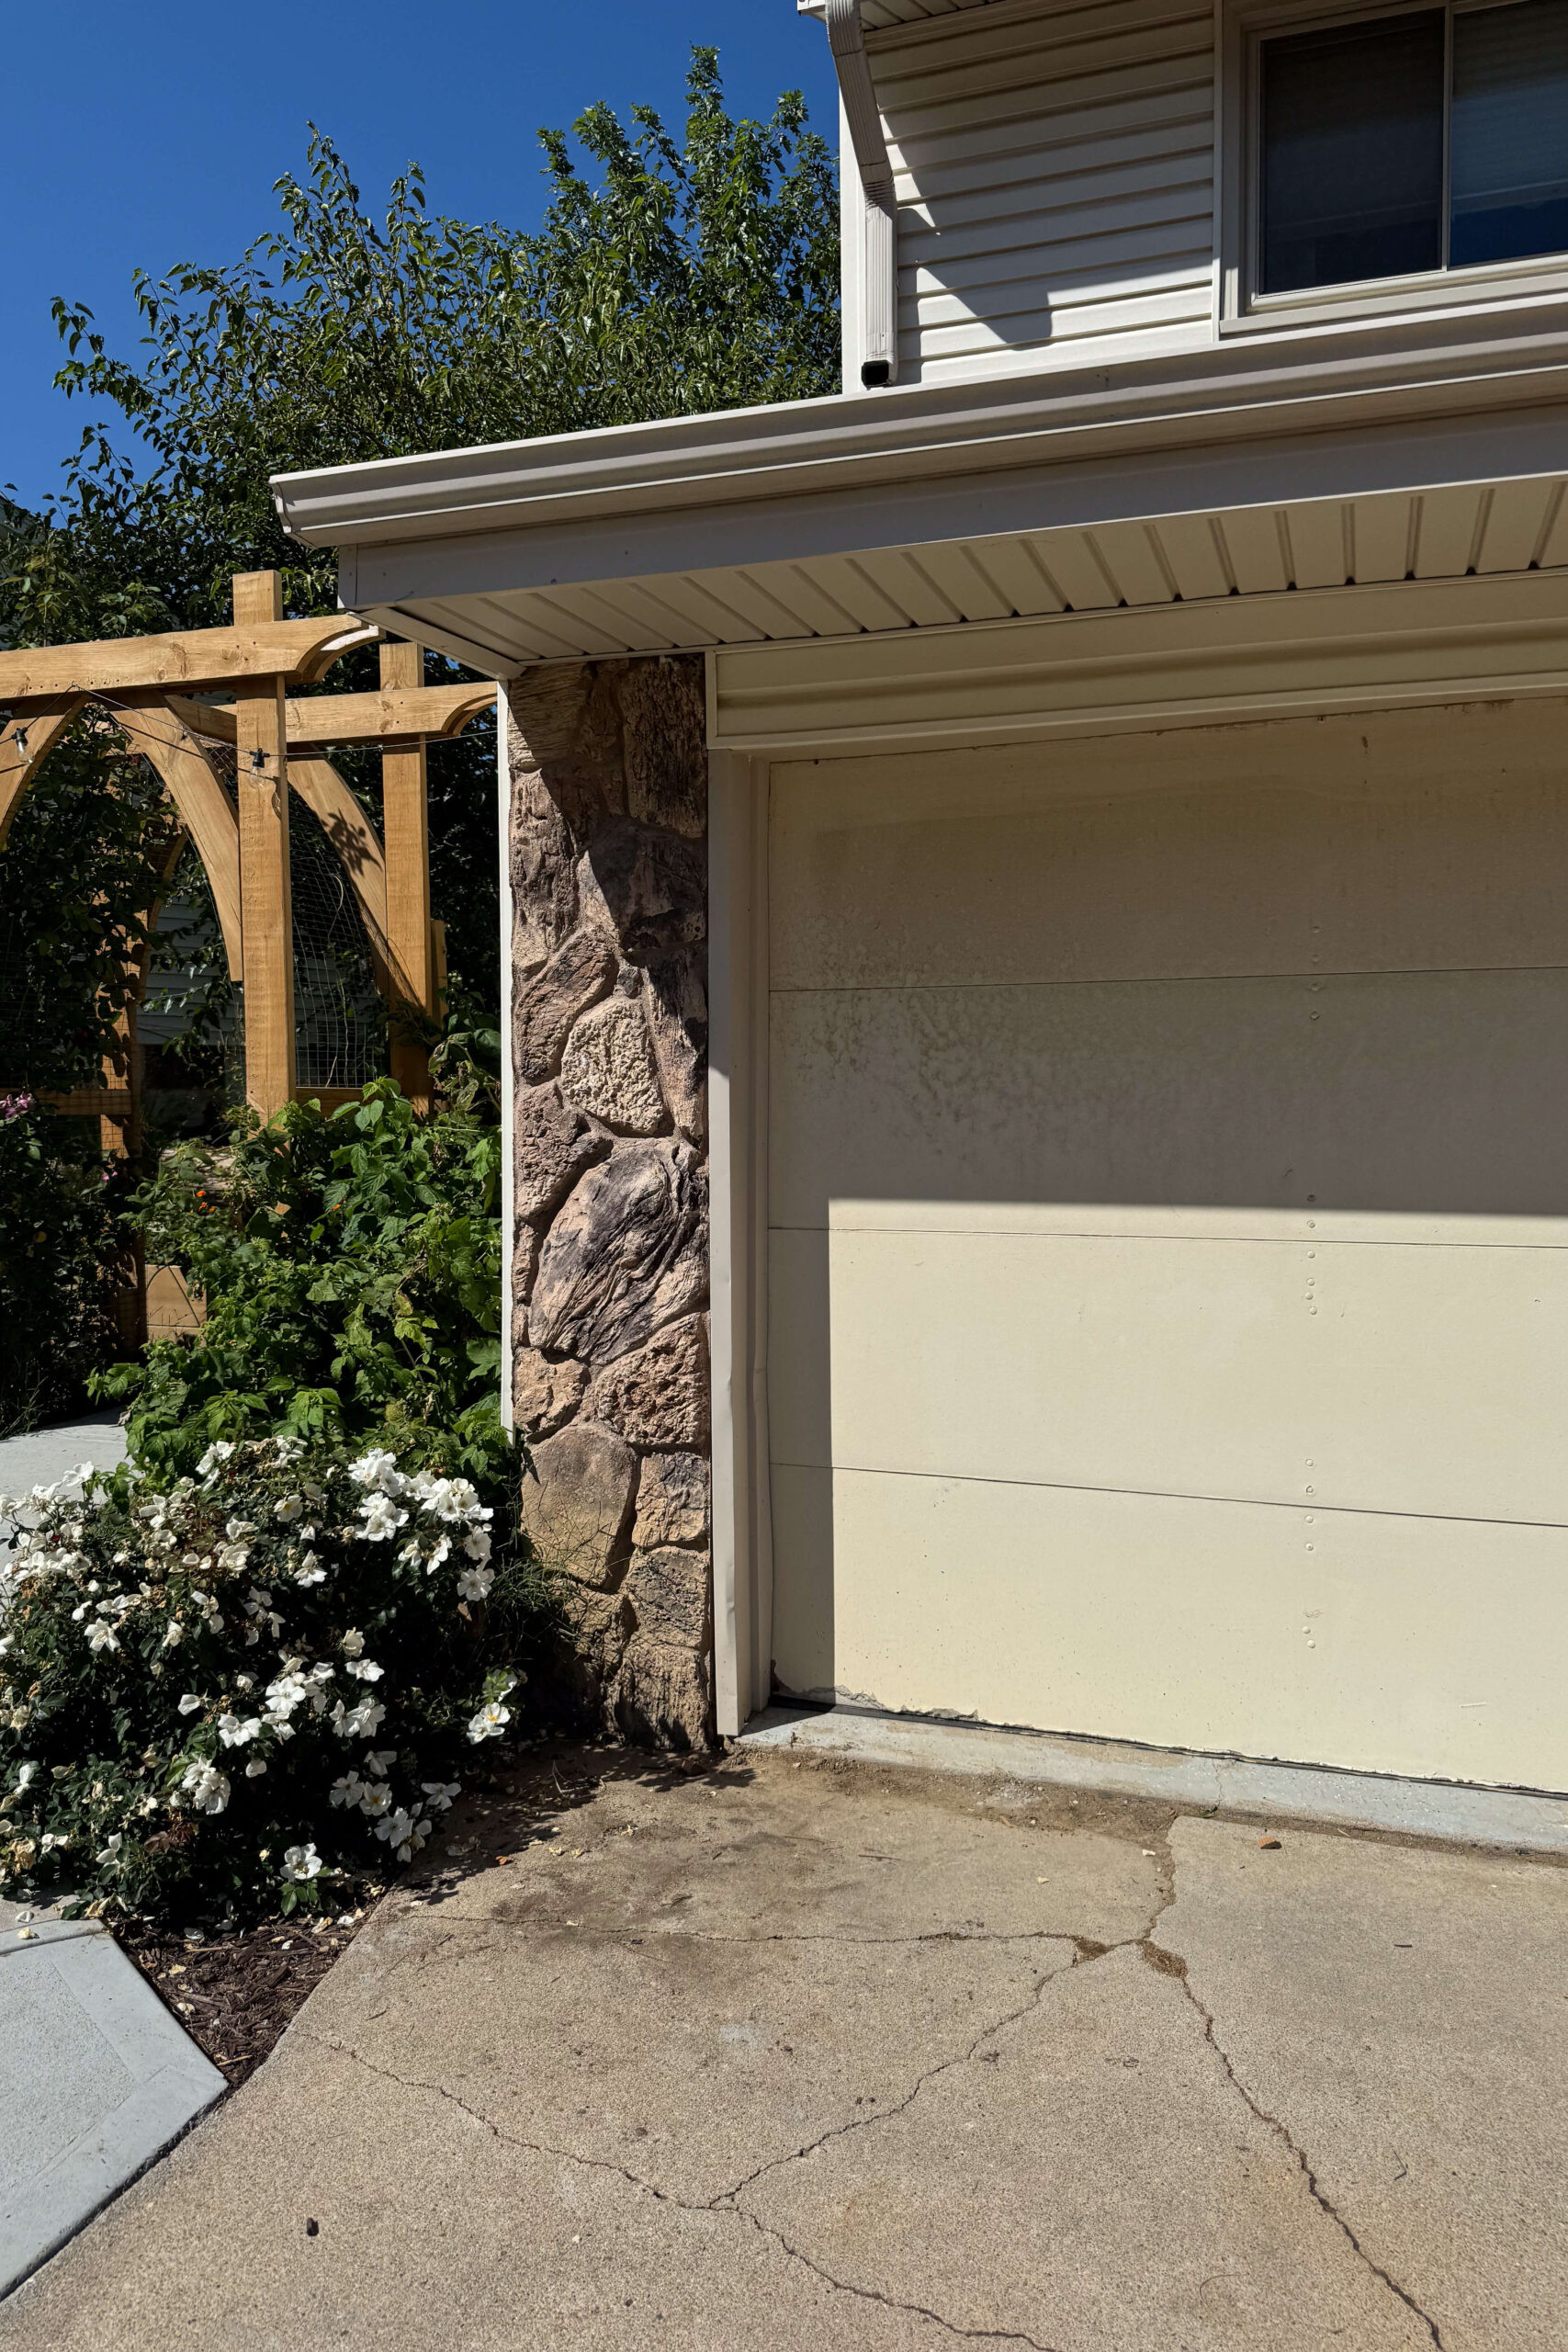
(350, 1266)
(233, 1695)
(57, 1240)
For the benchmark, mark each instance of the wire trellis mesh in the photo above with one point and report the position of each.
(340, 1020)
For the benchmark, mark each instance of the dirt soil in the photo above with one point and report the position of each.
(234, 1994)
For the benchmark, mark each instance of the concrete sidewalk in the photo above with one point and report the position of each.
(816, 2054)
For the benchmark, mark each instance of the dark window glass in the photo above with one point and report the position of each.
(1509, 133)
(1352, 121)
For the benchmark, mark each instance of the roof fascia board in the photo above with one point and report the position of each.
(1337, 379)
(1505, 444)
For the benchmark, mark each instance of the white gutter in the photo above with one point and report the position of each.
(876, 261)
(1250, 392)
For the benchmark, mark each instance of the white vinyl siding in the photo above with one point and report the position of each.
(1056, 181)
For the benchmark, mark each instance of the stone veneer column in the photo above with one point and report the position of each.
(609, 1034)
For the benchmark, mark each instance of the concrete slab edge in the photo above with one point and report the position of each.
(1441, 1809)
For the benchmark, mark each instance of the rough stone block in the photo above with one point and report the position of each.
(581, 970)
(576, 1504)
(647, 890)
(608, 1069)
(672, 1504)
(675, 1001)
(544, 1394)
(664, 1695)
(665, 743)
(669, 1592)
(627, 1254)
(543, 869)
(552, 1144)
(659, 1395)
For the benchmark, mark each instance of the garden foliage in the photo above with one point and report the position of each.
(264, 1682)
(58, 1240)
(350, 1271)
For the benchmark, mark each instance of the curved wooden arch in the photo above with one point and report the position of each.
(25, 743)
(192, 783)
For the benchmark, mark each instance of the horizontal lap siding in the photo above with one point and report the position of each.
(1055, 180)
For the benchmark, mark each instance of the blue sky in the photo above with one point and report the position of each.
(143, 135)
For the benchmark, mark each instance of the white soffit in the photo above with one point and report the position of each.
(881, 16)
(1433, 533)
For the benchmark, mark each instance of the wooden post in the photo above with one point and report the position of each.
(266, 928)
(405, 832)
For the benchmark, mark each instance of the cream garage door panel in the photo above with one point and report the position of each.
(1432, 1647)
(1436, 1092)
(1382, 1379)
(1160, 1129)
(1420, 840)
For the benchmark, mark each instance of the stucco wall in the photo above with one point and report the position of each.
(609, 1032)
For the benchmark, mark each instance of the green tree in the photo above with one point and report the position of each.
(670, 277)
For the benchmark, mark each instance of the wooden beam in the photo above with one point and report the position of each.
(192, 785)
(394, 714)
(26, 742)
(354, 719)
(405, 830)
(297, 651)
(266, 918)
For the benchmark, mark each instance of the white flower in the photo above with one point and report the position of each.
(244, 1683)
(235, 1557)
(365, 1669)
(474, 1583)
(401, 1830)
(378, 1468)
(287, 1449)
(441, 1792)
(375, 1798)
(410, 1556)
(189, 1704)
(358, 1723)
(219, 1451)
(451, 1500)
(236, 1530)
(111, 1850)
(348, 1789)
(209, 1787)
(309, 1571)
(174, 1634)
(382, 1519)
(442, 1552)
(380, 1760)
(288, 1509)
(235, 1734)
(26, 1777)
(255, 1768)
(489, 1722)
(476, 1543)
(101, 1635)
(285, 1693)
(52, 1838)
(299, 1863)
(352, 1643)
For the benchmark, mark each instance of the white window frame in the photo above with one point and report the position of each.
(1243, 24)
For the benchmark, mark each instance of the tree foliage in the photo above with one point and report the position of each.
(667, 276)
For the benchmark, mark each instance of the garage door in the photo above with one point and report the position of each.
(1169, 1308)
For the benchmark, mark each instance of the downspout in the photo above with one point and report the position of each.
(879, 300)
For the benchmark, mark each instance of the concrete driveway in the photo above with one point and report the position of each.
(803, 2054)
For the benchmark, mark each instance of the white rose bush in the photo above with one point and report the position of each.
(229, 1697)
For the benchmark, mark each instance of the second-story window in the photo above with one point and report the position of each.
(1435, 139)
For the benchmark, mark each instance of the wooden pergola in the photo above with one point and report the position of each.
(280, 743)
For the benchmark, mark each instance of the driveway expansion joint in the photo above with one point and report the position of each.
(1171, 1964)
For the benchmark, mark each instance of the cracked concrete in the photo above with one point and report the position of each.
(822, 2056)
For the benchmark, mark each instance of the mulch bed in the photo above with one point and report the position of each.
(234, 1994)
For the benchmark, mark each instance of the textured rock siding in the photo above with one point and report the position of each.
(609, 1322)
